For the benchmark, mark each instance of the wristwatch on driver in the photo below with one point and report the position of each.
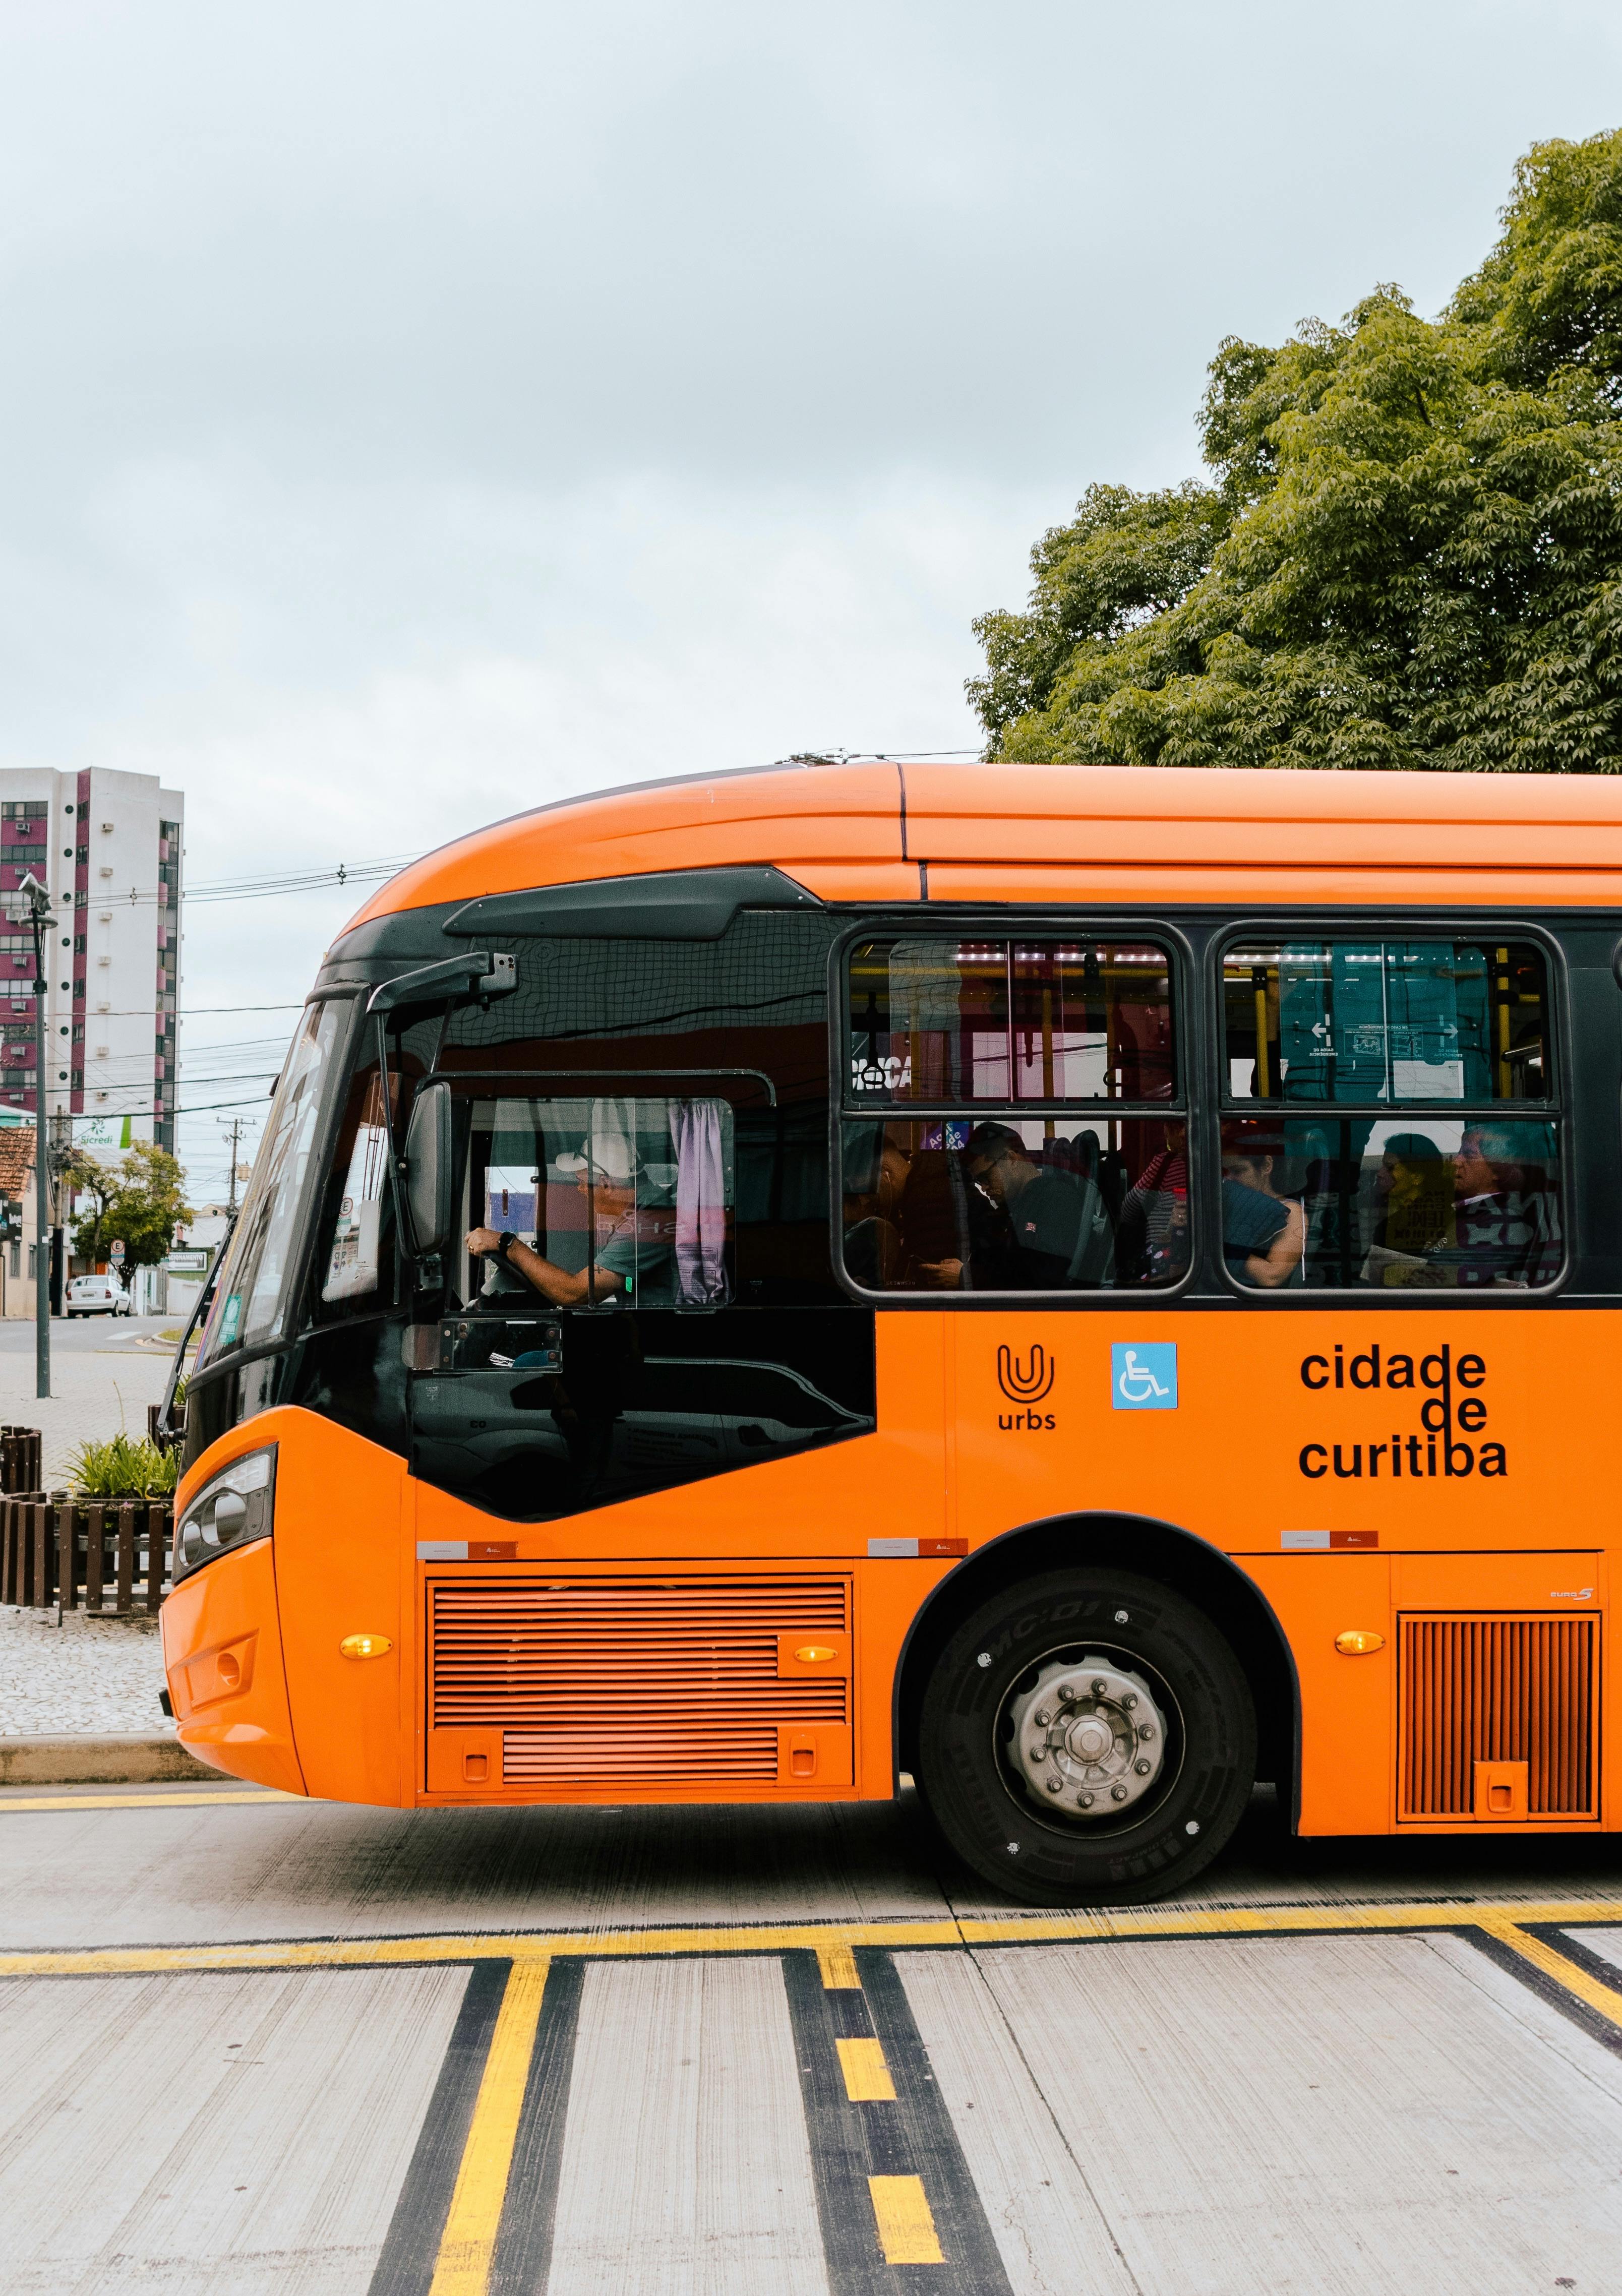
(505, 1243)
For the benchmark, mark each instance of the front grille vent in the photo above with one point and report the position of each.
(1499, 1689)
(650, 1679)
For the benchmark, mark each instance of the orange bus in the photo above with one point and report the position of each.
(1088, 1287)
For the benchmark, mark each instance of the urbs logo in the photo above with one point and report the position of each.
(1027, 1383)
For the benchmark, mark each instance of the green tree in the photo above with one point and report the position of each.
(1409, 550)
(139, 1201)
(83, 1174)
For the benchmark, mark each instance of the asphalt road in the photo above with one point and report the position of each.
(256, 2044)
(88, 1334)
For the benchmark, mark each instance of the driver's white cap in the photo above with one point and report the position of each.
(609, 1155)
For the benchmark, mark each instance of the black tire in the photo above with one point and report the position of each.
(1208, 1764)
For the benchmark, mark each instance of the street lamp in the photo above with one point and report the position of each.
(39, 917)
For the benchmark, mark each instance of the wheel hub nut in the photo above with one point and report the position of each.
(1090, 1739)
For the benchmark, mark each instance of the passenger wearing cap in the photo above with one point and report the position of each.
(635, 1240)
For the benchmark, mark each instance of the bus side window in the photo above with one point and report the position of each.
(1400, 1129)
(1077, 1181)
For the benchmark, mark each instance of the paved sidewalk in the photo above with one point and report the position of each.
(88, 1678)
(96, 1390)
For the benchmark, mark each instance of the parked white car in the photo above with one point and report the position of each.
(97, 1295)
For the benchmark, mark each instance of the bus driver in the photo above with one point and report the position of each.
(633, 1250)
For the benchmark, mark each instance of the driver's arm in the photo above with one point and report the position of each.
(554, 1284)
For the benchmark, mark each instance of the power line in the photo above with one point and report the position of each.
(340, 873)
(186, 1012)
(204, 1108)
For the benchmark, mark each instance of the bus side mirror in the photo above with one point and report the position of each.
(428, 1170)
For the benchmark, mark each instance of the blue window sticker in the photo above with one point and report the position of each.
(1144, 1375)
(232, 1321)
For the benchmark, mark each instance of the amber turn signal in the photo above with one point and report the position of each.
(365, 1645)
(1358, 1642)
(814, 1653)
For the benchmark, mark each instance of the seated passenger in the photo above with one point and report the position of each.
(1153, 1240)
(1034, 1248)
(1264, 1234)
(1502, 1231)
(632, 1256)
(873, 1240)
(1412, 1212)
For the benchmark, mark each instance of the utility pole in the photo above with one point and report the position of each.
(235, 1130)
(39, 917)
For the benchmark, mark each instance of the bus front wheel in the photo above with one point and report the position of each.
(1086, 1737)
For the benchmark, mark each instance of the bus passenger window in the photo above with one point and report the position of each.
(1386, 1021)
(1040, 1188)
(1011, 1206)
(985, 1020)
(1324, 1184)
(1396, 1203)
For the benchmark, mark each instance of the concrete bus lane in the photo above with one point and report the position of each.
(251, 2042)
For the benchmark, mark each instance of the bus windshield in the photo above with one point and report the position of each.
(251, 1303)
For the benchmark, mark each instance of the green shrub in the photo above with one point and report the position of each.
(123, 1469)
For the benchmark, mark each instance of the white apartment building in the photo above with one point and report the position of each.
(108, 847)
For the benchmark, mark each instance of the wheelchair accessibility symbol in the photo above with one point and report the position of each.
(1144, 1377)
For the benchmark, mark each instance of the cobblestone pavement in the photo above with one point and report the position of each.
(84, 1678)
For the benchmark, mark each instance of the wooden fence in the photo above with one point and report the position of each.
(19, 1467)
(107, 1556)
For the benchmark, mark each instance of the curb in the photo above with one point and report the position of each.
(131, 1758)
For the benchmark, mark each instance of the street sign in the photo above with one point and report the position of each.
(115, 1249)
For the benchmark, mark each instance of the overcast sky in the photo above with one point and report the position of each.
(410, 413)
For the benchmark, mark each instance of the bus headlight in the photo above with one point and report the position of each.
(236, 1506)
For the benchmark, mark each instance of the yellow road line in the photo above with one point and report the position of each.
(197, 1797)
(906, 2229)
(837, 1965)
(1566, 1974)
(1103, 1923)
(867, 2080)
(467, 2247)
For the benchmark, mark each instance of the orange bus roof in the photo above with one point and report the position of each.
(1118, 834)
